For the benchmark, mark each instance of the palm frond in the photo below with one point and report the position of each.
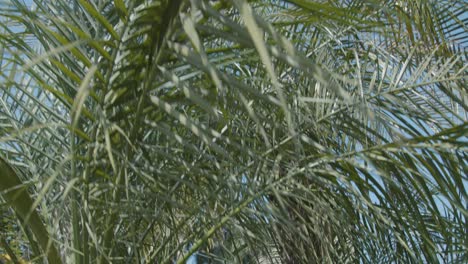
(244, 131)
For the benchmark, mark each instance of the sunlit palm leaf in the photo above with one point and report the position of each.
(264, 131)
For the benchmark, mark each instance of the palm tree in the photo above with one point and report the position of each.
(136, 131)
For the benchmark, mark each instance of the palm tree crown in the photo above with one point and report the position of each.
(137, 131)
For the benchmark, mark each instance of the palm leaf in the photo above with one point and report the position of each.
(269, 131)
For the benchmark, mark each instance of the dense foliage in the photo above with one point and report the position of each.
(300, 131)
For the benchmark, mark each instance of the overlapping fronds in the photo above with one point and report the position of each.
(239, 131)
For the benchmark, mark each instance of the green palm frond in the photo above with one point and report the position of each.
(238, 131)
